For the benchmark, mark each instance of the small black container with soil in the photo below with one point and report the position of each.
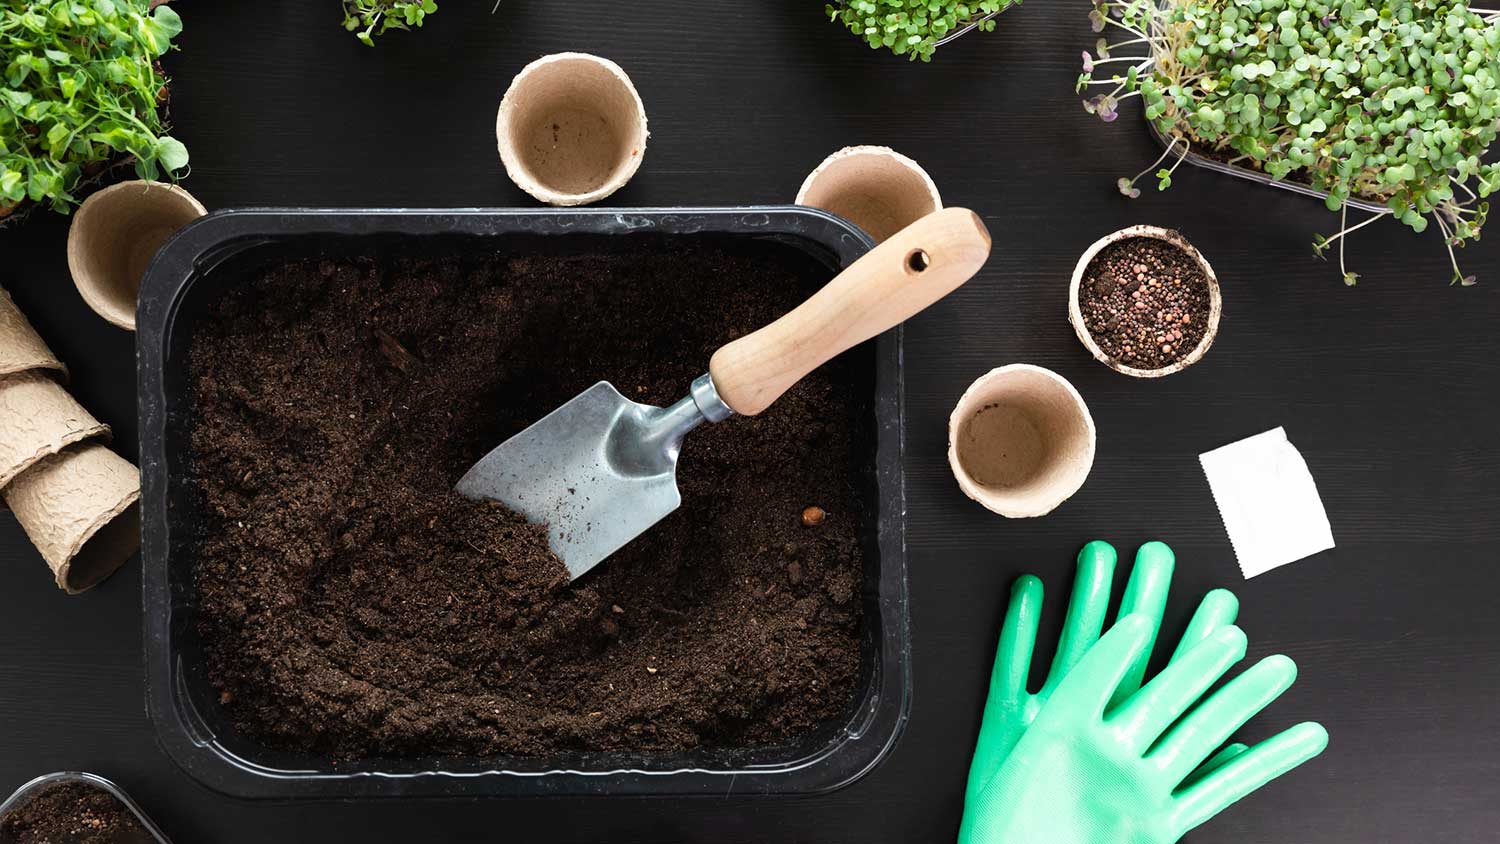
(322, 606)
(1145, 302)
(71, 809)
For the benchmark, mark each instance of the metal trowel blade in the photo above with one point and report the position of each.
(591, 470)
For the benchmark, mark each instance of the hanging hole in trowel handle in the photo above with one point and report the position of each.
(946, 248)
(918, 261)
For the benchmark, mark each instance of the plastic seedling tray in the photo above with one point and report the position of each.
(1257, 176)
(969, 27)
(223, 249)
(1253, 175)
(25, 793)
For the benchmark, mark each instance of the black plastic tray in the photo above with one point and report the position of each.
(223, 249)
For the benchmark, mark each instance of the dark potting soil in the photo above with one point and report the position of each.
(1145, 302)
(72, 813)
(352, 604)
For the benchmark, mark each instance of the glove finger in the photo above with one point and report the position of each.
(1226, 754)
(1007, 682)
(1216, 719)
(1246, 773)
(1146, 593)
(1017, 641)
(1092, 682)
(1086, 610)
(1143, 718)
(1219, 608)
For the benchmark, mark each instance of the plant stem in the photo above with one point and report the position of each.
(1344, 231)
(1141, 40)
(1448, 242)
(1171, 145)
(1344, 226)
(1146, 61)
(1471, 193)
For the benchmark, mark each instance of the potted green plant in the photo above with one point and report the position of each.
(1385, 105)
(916, 28)
(369, 18)
(81, 89)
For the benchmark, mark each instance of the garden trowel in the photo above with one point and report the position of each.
(601, 469)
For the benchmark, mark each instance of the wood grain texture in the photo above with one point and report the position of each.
(906, 274)
(1388, 390)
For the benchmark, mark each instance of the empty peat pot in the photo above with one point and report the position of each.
(1020, 441)
(571, 129)
(114, 236)
(876, 188)
(81, 509)
(21, 348)
(39, 418)
(1123, 286)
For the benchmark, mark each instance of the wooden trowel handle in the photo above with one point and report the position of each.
(914, 268)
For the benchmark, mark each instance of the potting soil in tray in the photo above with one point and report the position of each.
(350, 603)
(72, 813)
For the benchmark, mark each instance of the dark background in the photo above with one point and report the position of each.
(1387, 388)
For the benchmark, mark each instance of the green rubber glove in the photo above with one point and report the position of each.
(1010, 708)
(1085, 773)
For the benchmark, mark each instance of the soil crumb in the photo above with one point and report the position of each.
(352, 605)
(72, 813)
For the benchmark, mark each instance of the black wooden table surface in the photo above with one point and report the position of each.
(1388, 389)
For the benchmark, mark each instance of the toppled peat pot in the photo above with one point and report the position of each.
(326, 618)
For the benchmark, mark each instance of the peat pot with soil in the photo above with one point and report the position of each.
(310, 398)
(1144, 302)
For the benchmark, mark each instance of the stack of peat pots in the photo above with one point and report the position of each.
(75, 498)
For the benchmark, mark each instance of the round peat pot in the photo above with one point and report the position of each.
(1021, 441)
(114, 236)
(1175, 239)
(571, 129)
(876, 188)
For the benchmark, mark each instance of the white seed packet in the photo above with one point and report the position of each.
(1268, 501)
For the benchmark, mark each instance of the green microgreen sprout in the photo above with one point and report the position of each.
(915, 28)
(369, 18)
(81, 88)
(1389, 102)
(1163, 175)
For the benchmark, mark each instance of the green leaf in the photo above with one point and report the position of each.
(12, 185)
(168, 22)
(172, 154)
